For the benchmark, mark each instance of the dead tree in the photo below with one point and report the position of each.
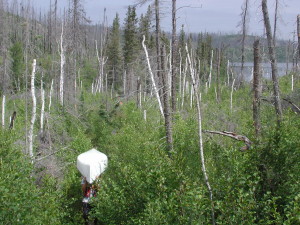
(42, 108)
(167, 110)
(278, 107)
(275, 22)
(3, 111)
(157, 37)
(174, 49)
(139, 93)
(234, 136)
(152, 77)
(298, 31)
(256, 87)
(30, 135)
(62, 66)
(199, 115)
(244, 22)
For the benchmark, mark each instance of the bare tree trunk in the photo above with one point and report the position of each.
(183, 84)
(42, 107)
(50, 96)
(287, 55)
(256, 87)
(30, 135)
(174, 49)
(124, 82)
(138, 93)
(298, 31)
(152, 77)
(167, 110)
(192, 97)
(210, 68)
(275, 23)
(273, 60)
(227, 73)
(198, 102)
(3, 111)
(218, 76)
(157, 37)
(231, 95)
(180, 75)
(244, 33)
(62, 65)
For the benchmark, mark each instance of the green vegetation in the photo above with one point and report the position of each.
(142, 184)
(109, 105)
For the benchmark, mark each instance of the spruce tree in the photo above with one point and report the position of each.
(130, 37)
(17, 66)
(145, 26)
(114, 54)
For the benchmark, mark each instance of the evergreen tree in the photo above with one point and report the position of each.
(130, 37)
(17, 67)
(203, 52)
(114, 54)
(145, 28)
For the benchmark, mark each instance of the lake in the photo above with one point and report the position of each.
(266, 68)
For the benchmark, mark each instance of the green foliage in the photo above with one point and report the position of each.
(22, 202)
(17, 67)
(114, 54)
(130, 37)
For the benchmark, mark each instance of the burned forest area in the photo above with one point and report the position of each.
(129, 121)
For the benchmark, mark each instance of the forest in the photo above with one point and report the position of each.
(189, 140)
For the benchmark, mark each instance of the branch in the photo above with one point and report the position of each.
(189, 6)
(296, 107)
(50, 154)
(234, 136)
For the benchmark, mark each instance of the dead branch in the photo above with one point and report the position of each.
(293, 104)
(234, 136)
(46, 156)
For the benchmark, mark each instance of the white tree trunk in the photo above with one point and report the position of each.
(50, 96)
(180, 84)
(183, 83)
(227, 71)
(169, 85)
(198, 102)
(124, 83)
(145, 115)
(231, 95)
(3, 111)
(152, 78)
(100, 75)
(62, 64)
(210, 69)
(191, 97)
(43, 106)
(30, 135)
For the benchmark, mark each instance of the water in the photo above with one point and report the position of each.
(266, 69)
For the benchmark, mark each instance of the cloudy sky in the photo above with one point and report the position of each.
(199, 15)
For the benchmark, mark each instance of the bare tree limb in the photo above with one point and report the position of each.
(152, 77)
(296, 107)
(46, 156)
(234, 136)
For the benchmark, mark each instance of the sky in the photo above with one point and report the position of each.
(199, 15)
